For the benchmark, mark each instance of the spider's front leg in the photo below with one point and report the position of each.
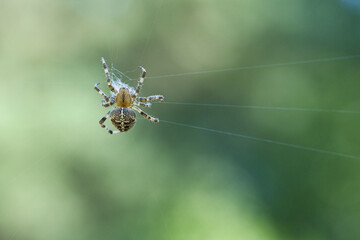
(142, 104)
(101, 122)
(101, 92)
(109, 103)
(107, 74)
(150, 98)
(144, 114)
(141, 80)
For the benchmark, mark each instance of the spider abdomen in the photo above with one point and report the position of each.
(123, 118)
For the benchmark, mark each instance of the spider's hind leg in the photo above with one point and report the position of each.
(101, 122)
(145, 115)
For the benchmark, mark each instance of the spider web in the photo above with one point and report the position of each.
(124, 78)
(119, 79)
(278, 108)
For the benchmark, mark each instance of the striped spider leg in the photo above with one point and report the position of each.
(107, 74)
(144, 101)
(138, 88)
(101, 92)
(142, 104)
(107, 101)
(141, 81)
(110, 103)
(101, 122)
(144, 114)
(150, 98)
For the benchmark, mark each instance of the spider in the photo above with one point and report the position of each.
(125, 97)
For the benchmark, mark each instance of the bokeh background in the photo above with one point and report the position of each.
(64, 177)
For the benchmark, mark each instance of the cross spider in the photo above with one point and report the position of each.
(123, 115)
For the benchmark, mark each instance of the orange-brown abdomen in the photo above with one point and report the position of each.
(123, 98)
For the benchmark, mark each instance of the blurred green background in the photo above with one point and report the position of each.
(64, 177)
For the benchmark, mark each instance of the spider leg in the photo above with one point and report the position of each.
(141, 80)
(108, 103)
(144, 114)
(101, 92)
(142, 104)
(150, 98)
(101, 122)
(108, 79)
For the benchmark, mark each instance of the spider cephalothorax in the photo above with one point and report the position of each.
(126, 100)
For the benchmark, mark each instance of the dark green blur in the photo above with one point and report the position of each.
(63, 177)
